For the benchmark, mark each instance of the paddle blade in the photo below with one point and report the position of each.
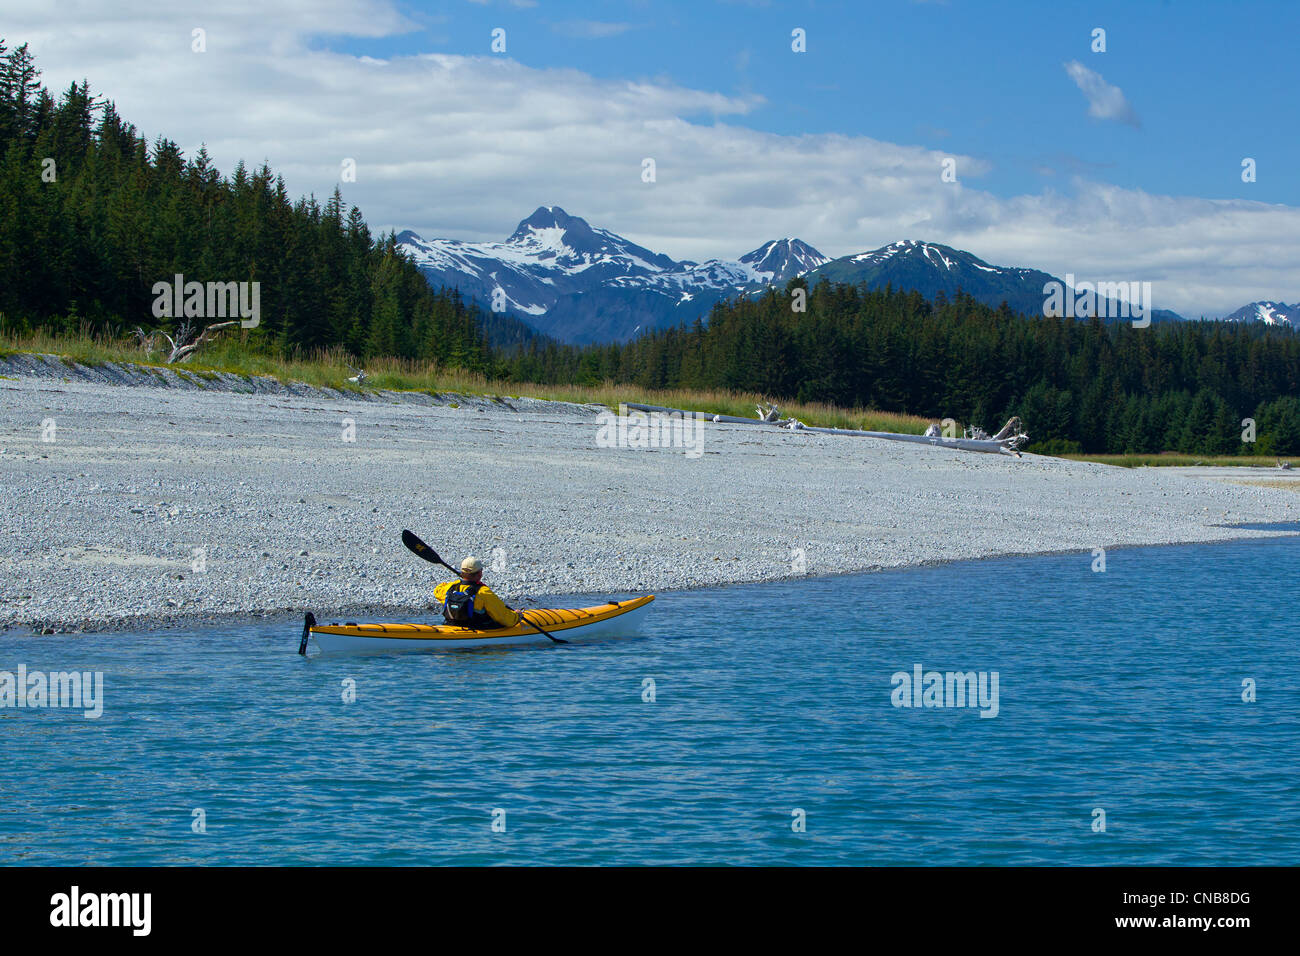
(308, 622)
(420, 548)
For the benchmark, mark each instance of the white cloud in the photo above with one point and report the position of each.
(466, 146)
(1105, 101)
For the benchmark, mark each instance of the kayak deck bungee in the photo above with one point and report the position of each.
(616, 618)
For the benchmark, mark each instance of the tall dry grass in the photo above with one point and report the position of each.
(330, 369)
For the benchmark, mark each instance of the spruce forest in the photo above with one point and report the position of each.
(1078, 385)
(92, 215)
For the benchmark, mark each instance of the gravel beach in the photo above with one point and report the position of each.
(162, 500)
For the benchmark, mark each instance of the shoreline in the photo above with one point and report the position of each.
(293, 618)
(43, 366)
(288, 509)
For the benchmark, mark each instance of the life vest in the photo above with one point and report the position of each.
(458, 607)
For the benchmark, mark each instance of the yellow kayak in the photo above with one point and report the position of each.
(615, 619)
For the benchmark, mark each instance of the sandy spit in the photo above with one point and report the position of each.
(132, 499)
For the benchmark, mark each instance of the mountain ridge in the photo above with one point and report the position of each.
(578, 283)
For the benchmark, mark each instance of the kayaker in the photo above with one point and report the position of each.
(471, 603)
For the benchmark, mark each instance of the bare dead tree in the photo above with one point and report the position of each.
(148, 341)
(186, 343)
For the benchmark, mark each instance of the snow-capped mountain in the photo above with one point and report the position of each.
(1270, 313)
(931, 268)
(549, 254)
(774, 263)
(582, 284)
(782, 260)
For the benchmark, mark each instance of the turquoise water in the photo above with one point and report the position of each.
(1119, 690)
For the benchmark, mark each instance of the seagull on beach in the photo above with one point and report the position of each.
(359, 377)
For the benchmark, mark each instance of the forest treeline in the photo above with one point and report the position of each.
(1078, 385)
(92, 216)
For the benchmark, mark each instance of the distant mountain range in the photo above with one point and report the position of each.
(579, 284)
(576, 283)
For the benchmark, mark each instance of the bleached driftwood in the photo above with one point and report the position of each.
(186, 342)
(1009, 445)
(148, 341)
(1011, 428)
(1012, 436)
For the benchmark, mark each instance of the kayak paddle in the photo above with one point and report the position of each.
(422, 550)
(308, 623)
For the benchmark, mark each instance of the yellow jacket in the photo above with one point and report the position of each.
(484, 600)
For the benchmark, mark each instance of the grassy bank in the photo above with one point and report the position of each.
(330, 369)
(1179, 460)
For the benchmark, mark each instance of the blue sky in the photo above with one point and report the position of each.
(1211, 83)
(1115, 166)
